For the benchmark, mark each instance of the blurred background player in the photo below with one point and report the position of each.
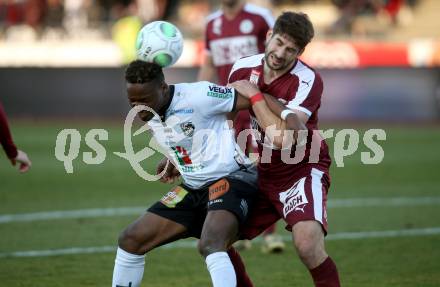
(235, 31)
(15, 155)
(297, 192)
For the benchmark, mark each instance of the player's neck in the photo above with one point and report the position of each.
(231, 12)
(168, 99)
(271, 75)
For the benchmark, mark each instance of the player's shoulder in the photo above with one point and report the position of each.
(191, 88)
(211, 17)
(248, 62)
(302, 70)
(262, 12)
(195, 89)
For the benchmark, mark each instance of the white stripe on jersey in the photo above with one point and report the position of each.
(263, 12)
(306, 78)
(214, 15)
(317, 193)
(248, 62)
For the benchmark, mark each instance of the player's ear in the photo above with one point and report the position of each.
(269, 35)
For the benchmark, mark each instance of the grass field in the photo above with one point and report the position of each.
(384, 219)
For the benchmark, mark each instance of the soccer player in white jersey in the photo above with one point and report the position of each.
(190, 124)
(238, 29)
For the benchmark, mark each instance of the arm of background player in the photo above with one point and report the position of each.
(207, 71)
(11, 150)
(5, 136)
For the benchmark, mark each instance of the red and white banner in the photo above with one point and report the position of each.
(320, 54)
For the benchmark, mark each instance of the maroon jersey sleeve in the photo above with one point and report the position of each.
(308, 95)
(313, 100)
(5, 135)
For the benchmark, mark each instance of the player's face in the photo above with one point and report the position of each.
(281, 51)
(149, 94)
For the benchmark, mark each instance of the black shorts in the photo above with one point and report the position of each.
(234, 192)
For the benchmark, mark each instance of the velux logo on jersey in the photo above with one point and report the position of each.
(220, 92)
(294, 199)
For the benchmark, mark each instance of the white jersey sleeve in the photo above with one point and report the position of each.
(211, 99)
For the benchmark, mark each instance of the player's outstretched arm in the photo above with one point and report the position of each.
(15, 155)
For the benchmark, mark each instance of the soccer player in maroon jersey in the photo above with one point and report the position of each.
(15, 155)
(295, 191)
(235, 31)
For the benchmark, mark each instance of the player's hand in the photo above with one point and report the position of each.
(245, 88)
(24, 161)
(171, 173)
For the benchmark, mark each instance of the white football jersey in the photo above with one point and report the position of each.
(196, 134)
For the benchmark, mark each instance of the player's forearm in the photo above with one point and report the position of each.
(265, 116)
(269, 114)
(207, 71)
(274, 105)
(292, 121)
(206, 74)
(272, 125)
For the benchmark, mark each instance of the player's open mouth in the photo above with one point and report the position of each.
(276, 61)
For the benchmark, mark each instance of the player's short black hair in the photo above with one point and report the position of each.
(296, 26)
(140, 72)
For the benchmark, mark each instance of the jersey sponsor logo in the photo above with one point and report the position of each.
(294, 199)
(220, 92)
(182, 155)
(255, 75)
(244, 207)
(181, 111)
(227, 51)
(246, 26)
(185, 164)
(256, 129)
(307, 83)
(188, 128)
(173, 197)
(211, 202)
(217, 26)
(218, 189)
(190, 169)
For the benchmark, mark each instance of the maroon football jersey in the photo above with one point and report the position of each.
(229, 40)
(300, 89)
